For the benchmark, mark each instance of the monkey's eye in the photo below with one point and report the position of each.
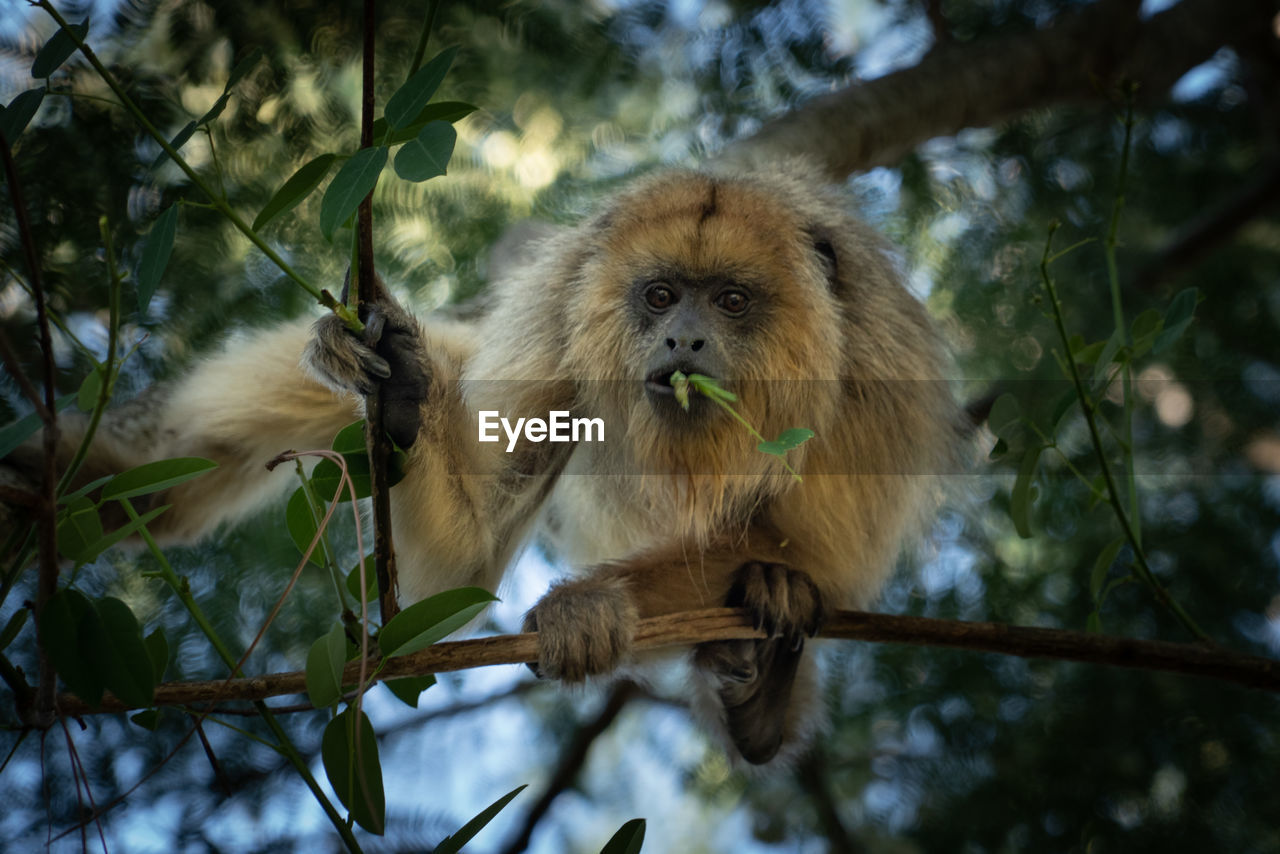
(732, 302)
(660, 297)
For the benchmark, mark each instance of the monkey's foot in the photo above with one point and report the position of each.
(585, 627)
(784, 602)
(753, 681)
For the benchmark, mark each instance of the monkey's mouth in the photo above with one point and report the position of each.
(659, 382)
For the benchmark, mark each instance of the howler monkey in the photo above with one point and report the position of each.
(760, 280)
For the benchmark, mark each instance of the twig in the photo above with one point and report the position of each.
(708, 624)
(47, 584)
(571, 762)
(1113, 490)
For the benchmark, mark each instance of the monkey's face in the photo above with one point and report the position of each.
(714, 277)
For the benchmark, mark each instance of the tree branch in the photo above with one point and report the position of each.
(571, 762)
(1079, 58)
(708, 624)
(47, 583)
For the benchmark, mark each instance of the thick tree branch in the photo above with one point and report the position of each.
(727, 623)
(1079, 58)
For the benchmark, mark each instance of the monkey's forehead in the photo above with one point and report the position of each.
(706, 225)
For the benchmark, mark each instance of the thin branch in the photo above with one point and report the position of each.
(47, 583)
(571, 762)
(709, 624)
(368, 289)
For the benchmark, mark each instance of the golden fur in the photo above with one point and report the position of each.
(664, 515)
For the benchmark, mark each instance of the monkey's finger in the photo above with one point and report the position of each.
(373, 326)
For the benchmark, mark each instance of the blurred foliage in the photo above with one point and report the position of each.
(928, 750)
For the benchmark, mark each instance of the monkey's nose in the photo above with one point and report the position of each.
(694, 344)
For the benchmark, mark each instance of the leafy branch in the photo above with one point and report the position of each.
(717, 394)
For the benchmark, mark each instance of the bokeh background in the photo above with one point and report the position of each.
(927, 749)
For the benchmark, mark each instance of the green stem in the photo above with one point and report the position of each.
(1113, 492)
(1117, 310)
(285, 746)
(323, 297)
(326, 551)
(108, 368)
(427, 26)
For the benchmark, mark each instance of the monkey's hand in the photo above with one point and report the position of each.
(389, 355)
(585, 627)
(755, 677)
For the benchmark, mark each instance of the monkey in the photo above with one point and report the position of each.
(761, 279)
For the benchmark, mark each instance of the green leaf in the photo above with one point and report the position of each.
(78, 528)
(355, 180)
(155, 255)
(788, 440)
(680, 384)
(1023, 492)
(423, 623)
(148, 719)
(1062, 406)
(326, 477)
(68, 625)
(350, 439)
(1093, 623)
(1102, 369)
(243, 67)
(15, 624)
(153, 477)
(1088, 355)
(179, 140)
(404, 106)
(453, 844)
(86, 489)
(58, 49)
(214, 111)
(627, 840)
(92, 549)
(13, 435)
(711, 388)
(1005, 418)
(356, 775)
(1177, 319)
(301, 524)
(126, 664)
(15, 117)
(445, 111)
(158, 651)
(1101, 565)
(90, 386)
(408, 688)
(1146, 327)
(324, 668)
(298, 187)
(427, 155)
(371, 580)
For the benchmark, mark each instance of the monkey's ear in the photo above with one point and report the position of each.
(825, 251)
